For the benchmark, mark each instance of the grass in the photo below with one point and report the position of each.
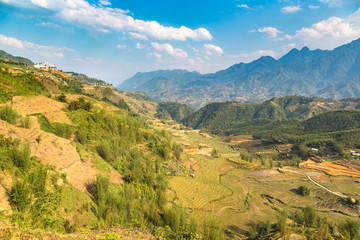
(45, 125)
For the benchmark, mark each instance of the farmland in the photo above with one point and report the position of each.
(240, 192)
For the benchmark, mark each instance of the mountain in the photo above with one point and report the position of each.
(238, 118)
(304, 72)
(10, 58)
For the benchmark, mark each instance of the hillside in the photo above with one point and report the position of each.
(71, 159)
(4, 56)
(238, 118)
(300, 72)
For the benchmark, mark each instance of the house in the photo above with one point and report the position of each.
(354, 153)
(45, 65)
(314, 149)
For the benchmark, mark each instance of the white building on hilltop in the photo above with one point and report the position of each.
(45, 65)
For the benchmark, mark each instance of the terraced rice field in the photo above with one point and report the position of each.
(238, 193)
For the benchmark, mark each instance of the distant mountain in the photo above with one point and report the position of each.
(10, 58)
(304, 72)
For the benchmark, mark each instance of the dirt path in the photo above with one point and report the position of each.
(315, 182)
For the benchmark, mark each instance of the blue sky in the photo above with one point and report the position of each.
(112, 40)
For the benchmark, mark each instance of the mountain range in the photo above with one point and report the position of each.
(322, 73)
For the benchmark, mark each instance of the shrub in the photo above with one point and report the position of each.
(21, 157)
(19, 196)
(25, 123)
(350, 229)
(81, 103)
(304, 191)
(63, 130)
(61, 98)
(8, 114)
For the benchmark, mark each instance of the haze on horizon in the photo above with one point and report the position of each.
(112, 40)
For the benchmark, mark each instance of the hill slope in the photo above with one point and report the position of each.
(305, 72)
(233, 117)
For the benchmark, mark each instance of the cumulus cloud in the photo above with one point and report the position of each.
(138, 36)
(105, 20)
(169, 49)
(210, 49)
(155, 54)
(243, 6)
(313, 7)
(291, 9)
(329, 33)
(272, 32)
(142, 47)
(45, 51)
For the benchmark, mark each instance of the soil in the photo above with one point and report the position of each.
(331, 168)
(50, 108)
(56, 151)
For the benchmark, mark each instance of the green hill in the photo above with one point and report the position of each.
(235, 118)
(4, 56)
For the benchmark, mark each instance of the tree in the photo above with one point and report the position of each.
(304, 191)
(215, 153)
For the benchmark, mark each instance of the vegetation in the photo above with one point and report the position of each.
(8, 114)
(175, 111)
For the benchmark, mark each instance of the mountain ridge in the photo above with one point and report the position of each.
(301, 72)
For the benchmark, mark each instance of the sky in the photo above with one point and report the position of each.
(112, 40)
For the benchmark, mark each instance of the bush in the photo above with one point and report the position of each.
(304, 191)
(63, 130)
(25, 123)
(19, 196)
(21, 157)
(350, 229)
(8, 114)
(81, 103)
(61, 98)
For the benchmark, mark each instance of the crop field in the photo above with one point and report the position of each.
(238, 192)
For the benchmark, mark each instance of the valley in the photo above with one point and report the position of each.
(88, 161)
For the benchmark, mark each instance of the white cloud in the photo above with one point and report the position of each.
(169, 49)
(195, 61)
(41, 3)
(210, 49)
(105, 2)
(272, 32)
(243, 6)
(142, 47)
(291, 9)
(332, 3)
(121, 46)
(88, 59)
(138, 36)
(155, 54)
(329, 33)
(54, 26)
(105, 20)
(313, 7)
(45, 51)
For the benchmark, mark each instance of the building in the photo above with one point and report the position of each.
(45, 65)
